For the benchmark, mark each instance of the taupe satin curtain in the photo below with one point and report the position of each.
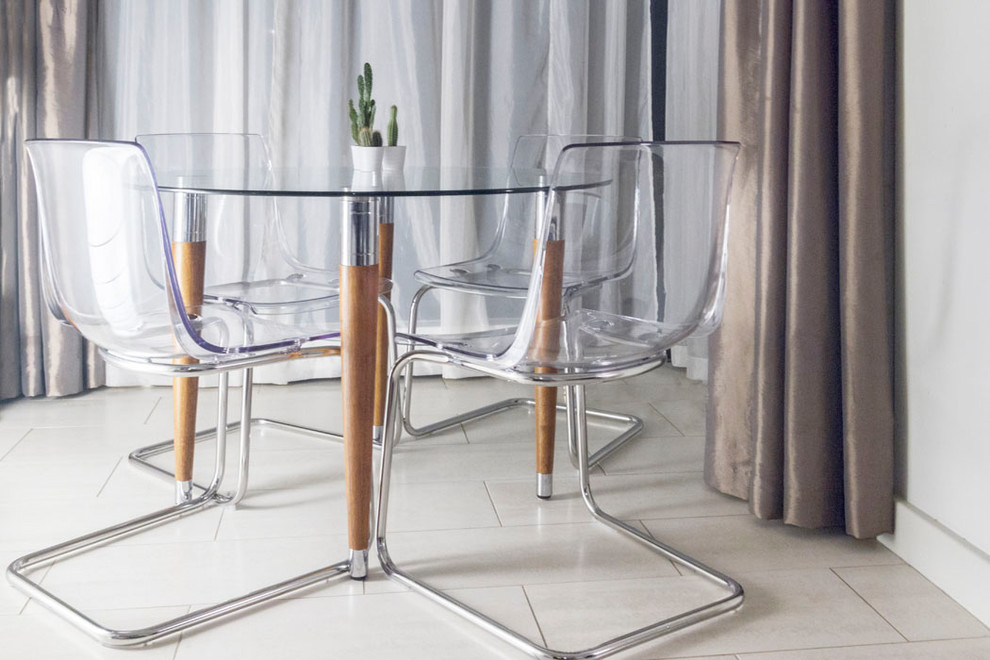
(48, 52)
(801, 377)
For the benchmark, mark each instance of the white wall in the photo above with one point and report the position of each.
(943, 306)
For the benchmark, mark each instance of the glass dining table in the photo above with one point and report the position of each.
(366, 236)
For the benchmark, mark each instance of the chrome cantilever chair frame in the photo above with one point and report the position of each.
(69, 164)
(17, 572)
(620, 334)
(731, 599)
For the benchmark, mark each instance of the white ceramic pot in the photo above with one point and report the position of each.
(367, 159)
(395, 158)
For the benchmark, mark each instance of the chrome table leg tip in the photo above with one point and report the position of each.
(376, 435)
(359, 564)
(544, 486)
(183, 491)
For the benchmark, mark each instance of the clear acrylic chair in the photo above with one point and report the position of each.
(657, 250)
(503, 270)
(107, 250)
(281, 276)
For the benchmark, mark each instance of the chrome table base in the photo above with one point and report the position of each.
(730, 598)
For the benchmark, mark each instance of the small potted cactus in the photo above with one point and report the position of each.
(395, 156)
(367, 150)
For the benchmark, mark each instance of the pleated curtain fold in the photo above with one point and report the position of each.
(801, 373)
(48, 64)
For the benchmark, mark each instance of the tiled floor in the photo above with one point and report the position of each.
(464, 513)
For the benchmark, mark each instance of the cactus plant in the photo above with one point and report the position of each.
(363, 117)
(393, 127)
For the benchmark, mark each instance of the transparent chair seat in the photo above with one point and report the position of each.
(602, 343)
(487, 276)
(272, 295)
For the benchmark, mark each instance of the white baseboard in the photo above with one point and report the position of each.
(952, 563)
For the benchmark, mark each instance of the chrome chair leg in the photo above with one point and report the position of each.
(729, 600)
(17, 571)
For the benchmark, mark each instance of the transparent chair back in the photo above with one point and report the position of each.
(646, 225)
(259, 258)
(107, 247)
(504, 266)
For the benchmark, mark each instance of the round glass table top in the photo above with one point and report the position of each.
(346, 182)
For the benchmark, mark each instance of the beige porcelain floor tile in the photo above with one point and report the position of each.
(912, 604)
(519, 423)
(296, 512)
(745, 544)
(381, 626)
(688, 416)
(650, 454)
(40, 635)
(159, 575)
(961, 649)
(38, 523)
(82, 410)
(668, 384)
(84, 477)
(783, 610)
(655, 425)
(471, 462)
(69, 444)
(459, 396)
(618, 391)
(10, 435)
(491, 557)
(318, 468)
(630, 497)
(285, 513)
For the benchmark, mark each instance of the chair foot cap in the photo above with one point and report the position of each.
(183, 491)
(544, 486)
(359, 564)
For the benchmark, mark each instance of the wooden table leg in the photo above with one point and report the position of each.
(190, 261)
(359, 320)
(548, 341)
(189, 256)
(385, 233)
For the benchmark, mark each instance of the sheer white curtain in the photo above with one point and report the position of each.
(692, 103)
(468, 78)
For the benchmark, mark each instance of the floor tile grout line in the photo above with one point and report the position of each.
(216, 532)
(109, 477)
(491, 500)
(536, 620)
(152, 411)
(181, 637)
(676, 427)
(799, 649)
(16, 443)
(867, 602)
